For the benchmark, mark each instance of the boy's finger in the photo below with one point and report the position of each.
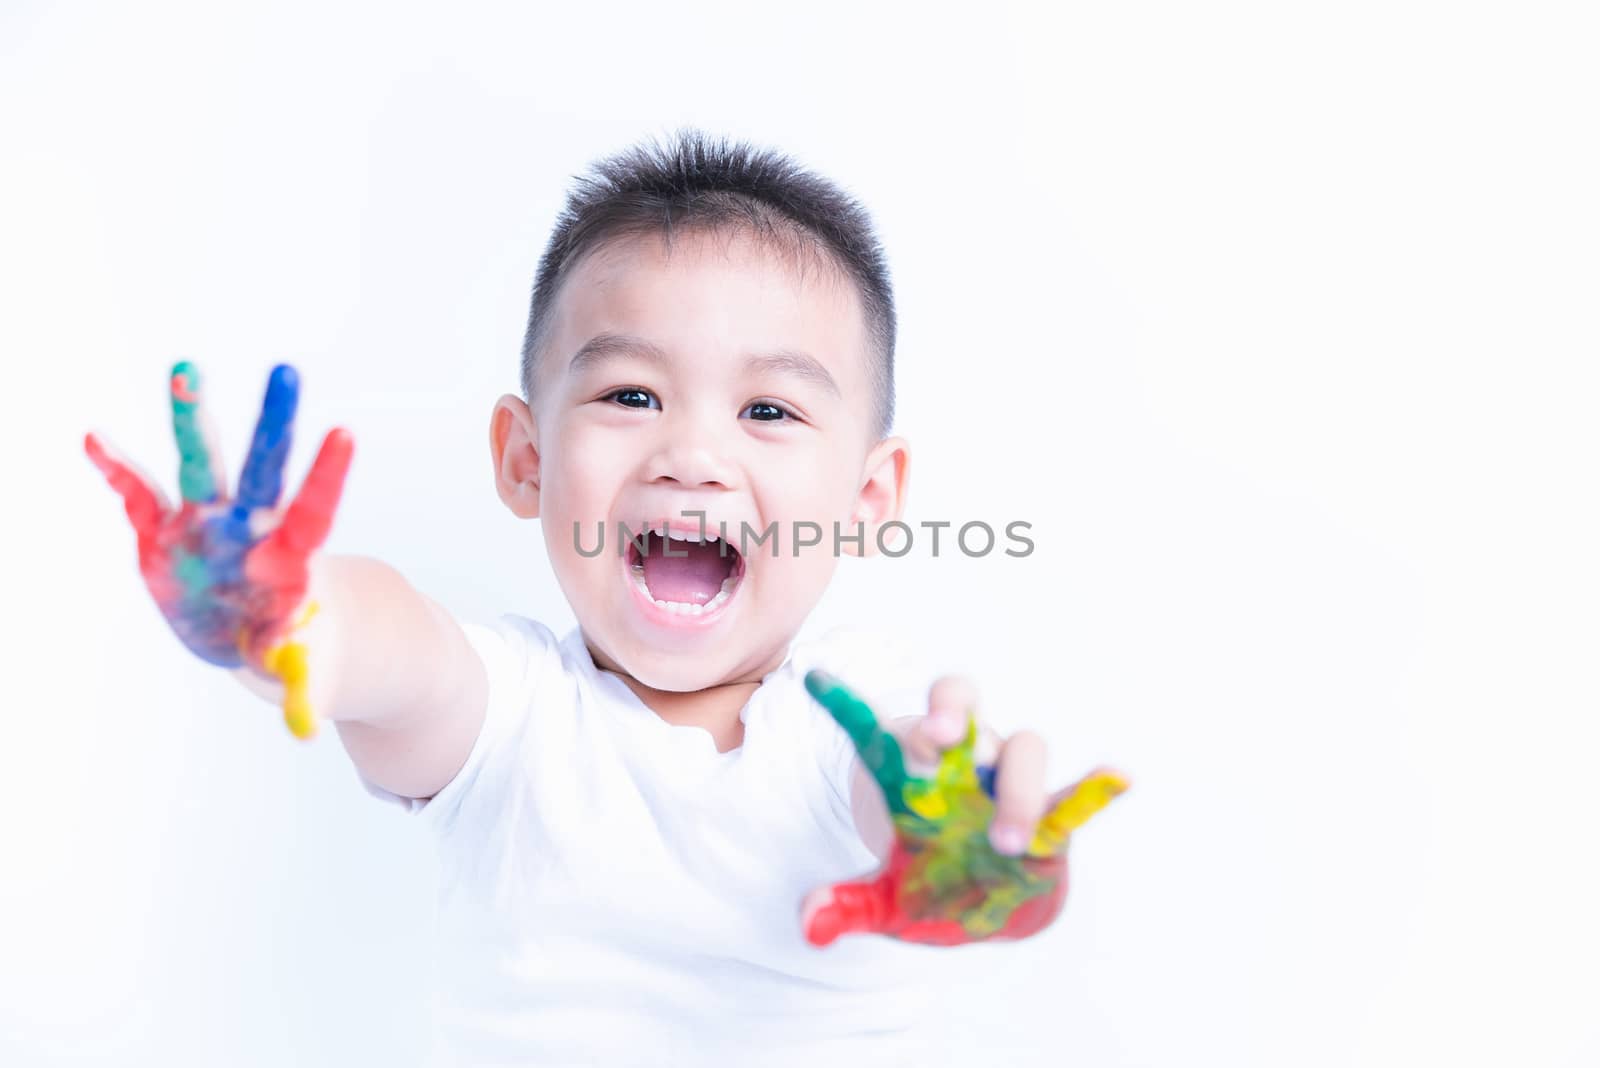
(199, 474)
(952, 700)
(1071, 808)
(146, 505)
(307, 521)
(1019, 794)
(863, 905)
(879, 750)
(261, 477)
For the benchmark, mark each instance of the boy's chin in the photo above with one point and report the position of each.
(674, 670)
(725, 659)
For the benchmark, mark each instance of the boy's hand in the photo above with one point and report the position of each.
(979, 852)
(230, 576)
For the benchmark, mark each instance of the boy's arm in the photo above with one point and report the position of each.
(871, 813)
(241, 581)
(393, 670)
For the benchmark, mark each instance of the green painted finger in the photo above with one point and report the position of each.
(879, 749)
(197, 475)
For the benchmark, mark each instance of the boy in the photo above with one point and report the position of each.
(641, 823)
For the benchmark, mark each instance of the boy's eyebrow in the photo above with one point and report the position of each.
(609, 346)
(789, 361)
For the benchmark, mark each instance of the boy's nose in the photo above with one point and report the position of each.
(691, 460)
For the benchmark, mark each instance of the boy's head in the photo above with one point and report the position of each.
(712, 331)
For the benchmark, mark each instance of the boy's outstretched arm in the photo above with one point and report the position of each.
(393, 670)
(240, 580)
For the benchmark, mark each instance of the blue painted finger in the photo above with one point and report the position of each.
(261, 479)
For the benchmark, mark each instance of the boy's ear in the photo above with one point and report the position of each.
(513, 442)
(882, 497)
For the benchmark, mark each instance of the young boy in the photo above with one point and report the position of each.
(640, 823)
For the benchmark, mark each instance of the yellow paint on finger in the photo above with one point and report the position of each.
(955, 775)
(287, 660)
(927, 802)
(1089, 796)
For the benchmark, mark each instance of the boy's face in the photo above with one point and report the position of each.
(748, 400)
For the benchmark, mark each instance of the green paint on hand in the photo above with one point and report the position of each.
(196, 481)
(879, 750)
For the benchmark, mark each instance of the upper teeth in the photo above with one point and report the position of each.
(683, 535)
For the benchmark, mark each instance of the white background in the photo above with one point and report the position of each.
(1277, 321)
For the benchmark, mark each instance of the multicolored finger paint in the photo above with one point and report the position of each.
(231, 577)
(944, 883)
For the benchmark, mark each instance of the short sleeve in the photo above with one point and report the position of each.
(515, 652)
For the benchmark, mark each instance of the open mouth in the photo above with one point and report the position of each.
(683, 574)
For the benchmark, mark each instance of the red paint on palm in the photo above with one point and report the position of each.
(882, 905)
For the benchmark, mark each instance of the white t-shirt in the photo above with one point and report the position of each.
(616, 891)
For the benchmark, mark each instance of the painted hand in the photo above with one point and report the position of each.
(230, 576)
(945, 883)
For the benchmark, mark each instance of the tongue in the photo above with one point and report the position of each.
(693, 574)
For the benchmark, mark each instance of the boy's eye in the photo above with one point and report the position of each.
(634, 398)
(767, 412)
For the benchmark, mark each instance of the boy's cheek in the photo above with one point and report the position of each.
(798, 581)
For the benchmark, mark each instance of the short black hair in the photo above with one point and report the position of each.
(700, 183)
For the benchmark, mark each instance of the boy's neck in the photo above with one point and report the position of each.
(715, 709)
